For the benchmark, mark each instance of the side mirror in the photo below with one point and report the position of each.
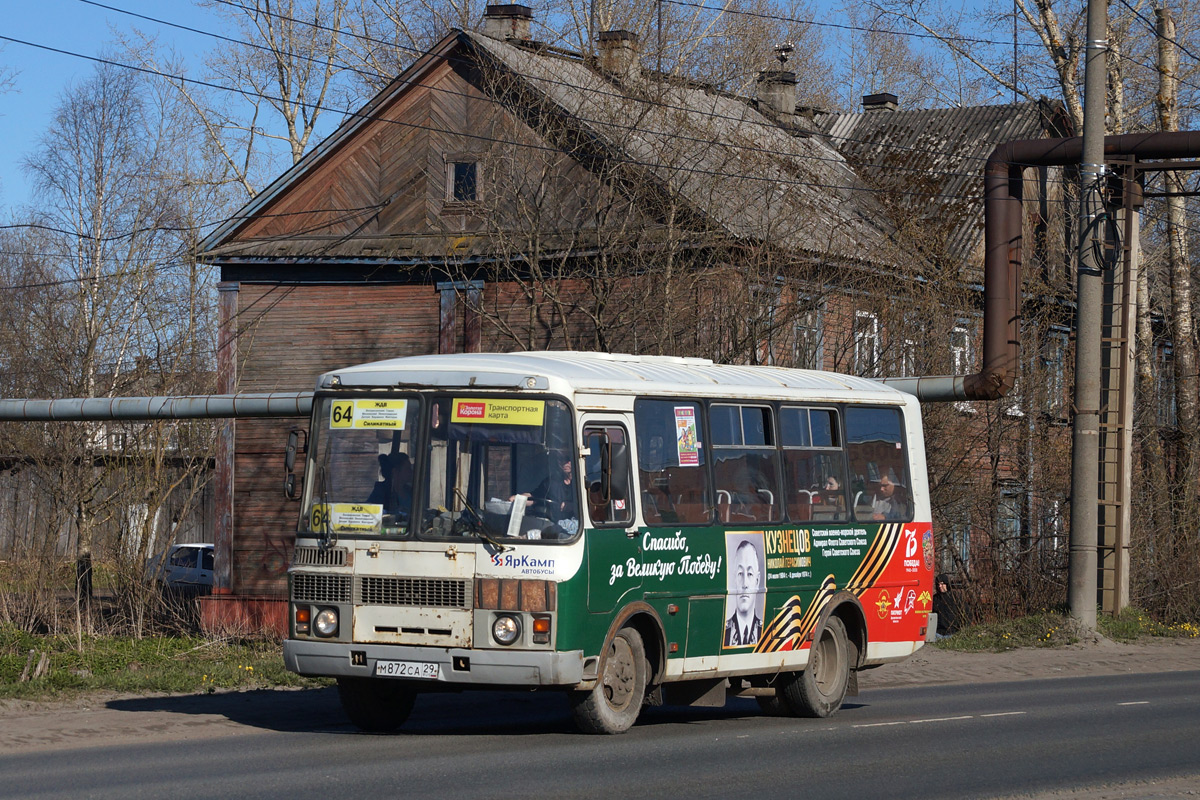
(297, 440)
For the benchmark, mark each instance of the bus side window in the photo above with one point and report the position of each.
(745, 464)
(815, 482)
(607, 479)
(879, 463)
(672, 474)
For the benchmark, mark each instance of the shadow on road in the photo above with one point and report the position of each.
(436, 713)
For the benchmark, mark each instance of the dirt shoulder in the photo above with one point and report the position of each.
(932, 665)
(99, 719)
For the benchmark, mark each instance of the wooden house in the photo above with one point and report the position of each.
(504, 194)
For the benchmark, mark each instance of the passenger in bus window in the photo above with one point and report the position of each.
(744, 626)
(889, 503)
(395, 489)
(831, 494)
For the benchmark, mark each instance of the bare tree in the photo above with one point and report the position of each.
(116, 304)
(265, 93)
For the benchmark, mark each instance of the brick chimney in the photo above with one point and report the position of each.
(776, 92)
(618, 52)
(507, 22)
(883, 101)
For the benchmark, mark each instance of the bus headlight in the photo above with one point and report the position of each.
(326, 623)
(506, 629)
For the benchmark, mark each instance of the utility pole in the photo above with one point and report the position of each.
(1085, 448)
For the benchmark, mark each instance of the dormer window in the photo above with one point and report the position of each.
(462, 181)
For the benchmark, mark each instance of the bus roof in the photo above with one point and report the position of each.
(570, 372)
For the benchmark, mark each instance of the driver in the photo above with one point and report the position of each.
(554, 498)
(394, 490)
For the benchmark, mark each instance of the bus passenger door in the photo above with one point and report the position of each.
(614, 554)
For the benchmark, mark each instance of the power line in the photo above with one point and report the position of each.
(714, 173)
(547, 81)
(838, 26)
(192, 228)
(483, 138)
(568, 85)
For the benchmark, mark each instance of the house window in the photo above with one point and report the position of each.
(764, 307)
(908, 358)
(866, 343)
(1054, 360)
(808, 353)
(955, 552)
(962, 357)
(1050, 528)
(462, 181)
(961, 351)
(1008, 528)
(1164, 385)
(1012, 400)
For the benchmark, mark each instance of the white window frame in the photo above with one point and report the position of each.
(808, 345)
(908, 358)
(866, 344)
(1058, 344)
(962, 357)
(764, 304)
(1164, 385)
(451, 163)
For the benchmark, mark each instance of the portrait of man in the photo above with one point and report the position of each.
(747, 589)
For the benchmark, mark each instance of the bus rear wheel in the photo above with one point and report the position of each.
(375, 705)
(819, 690)
(613, 704)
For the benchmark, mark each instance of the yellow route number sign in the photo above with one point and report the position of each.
(345, 517)
(388, 414)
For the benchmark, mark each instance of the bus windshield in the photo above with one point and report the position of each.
(501, 468)
(482, 467)
(363, 463)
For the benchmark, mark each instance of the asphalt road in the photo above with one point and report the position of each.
(999, 739)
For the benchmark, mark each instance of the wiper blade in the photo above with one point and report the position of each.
(480, 526)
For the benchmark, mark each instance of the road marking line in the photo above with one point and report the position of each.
(881, 724)
(1135, 703)
(1005, 714)
(942, 719)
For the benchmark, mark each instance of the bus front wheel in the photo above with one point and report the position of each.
(613, 704)
(375, 705)
(819, 690)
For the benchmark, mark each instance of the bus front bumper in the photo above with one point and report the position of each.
(455, 665)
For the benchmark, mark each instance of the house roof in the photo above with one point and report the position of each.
(929, 162)
(735, 167)
(744, 175)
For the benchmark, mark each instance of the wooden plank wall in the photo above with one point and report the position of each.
(287, 336)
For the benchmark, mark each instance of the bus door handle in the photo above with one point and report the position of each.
(630, 534)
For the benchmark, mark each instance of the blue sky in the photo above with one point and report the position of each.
(42, 76)
(85, 27)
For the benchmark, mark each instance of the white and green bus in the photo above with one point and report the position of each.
(631, 530)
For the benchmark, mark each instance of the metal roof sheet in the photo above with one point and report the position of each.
(931, 160)
(733, 165)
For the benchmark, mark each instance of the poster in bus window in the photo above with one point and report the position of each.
(746, 601)
(685, 436)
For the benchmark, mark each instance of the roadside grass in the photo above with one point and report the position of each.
(193, 664)
(1052, 629)
(174, 664)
